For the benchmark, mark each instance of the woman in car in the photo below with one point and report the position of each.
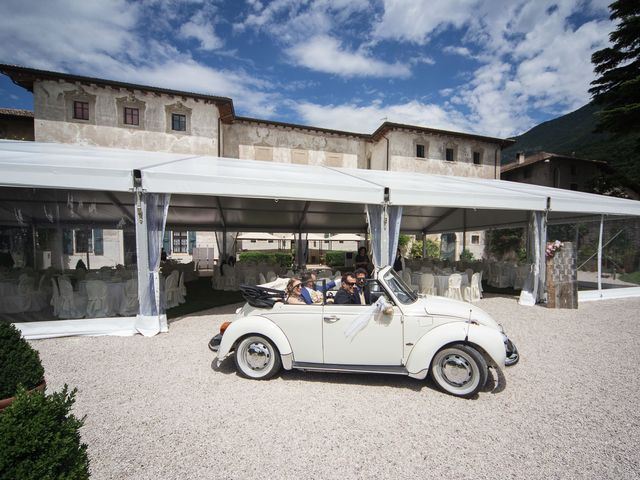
(293, 296)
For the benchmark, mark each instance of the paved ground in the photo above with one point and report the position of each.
(156, 409)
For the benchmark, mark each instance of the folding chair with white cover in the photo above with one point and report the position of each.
(469, 272)
(261, 279)
(55, 297)
(171, 289)
(472, 292)
(271, 276)
(427, 284)
(181, 287)
(454, 291)
(131, 295)
(406, 276)
(97, 302)
(289, 273)
(71, 304)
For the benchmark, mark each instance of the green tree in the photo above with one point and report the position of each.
(618, 66)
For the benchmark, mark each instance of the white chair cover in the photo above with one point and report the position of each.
(261, 279)
(454, 291)
(271, 276)
(55, 297)
(71, 305)
(131, 295)
(427, 284)
(172, 291)
(472, 292)
(97, 305)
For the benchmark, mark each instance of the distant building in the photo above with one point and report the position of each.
(16, 124)
(553, 170)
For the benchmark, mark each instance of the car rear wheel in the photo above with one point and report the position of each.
(459, 370)
(257, 357)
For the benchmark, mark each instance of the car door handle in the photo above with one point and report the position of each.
(331, 319)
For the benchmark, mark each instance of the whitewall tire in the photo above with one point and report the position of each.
(257, 357)
(459, 370)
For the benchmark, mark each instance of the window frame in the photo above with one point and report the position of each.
(77, 242)
(182, 122)
(84, 110)
(453, 154)
(182, 236)
(420, 150)
(129, 114)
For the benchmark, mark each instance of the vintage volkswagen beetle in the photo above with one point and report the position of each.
(455, 341)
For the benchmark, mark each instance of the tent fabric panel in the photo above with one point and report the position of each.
(256, 179)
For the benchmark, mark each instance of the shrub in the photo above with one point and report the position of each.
(19, 362)
(334, 258)
(283, 259)
(40, 439)
(466, 255)
(433, 249)
(257, 257)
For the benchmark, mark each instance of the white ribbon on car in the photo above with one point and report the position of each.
(360, 321)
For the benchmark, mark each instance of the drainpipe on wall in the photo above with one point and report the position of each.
(219, 136)
(495, 165)
(387, 139)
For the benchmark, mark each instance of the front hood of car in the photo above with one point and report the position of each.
(447, 307)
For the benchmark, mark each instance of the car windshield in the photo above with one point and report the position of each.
(400, 289)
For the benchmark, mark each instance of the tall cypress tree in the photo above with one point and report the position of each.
(617, 88)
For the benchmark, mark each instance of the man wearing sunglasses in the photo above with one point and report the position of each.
(361, 292)
(345, 295)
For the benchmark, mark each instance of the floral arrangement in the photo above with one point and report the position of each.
(553, 247)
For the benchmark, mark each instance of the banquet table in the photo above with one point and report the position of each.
(116, 296)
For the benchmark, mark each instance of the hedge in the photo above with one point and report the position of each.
(334, 258)
(281, 258)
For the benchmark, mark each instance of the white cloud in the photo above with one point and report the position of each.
(100, 39)
(462, 51)
(325, 54)
(201, 29)
(365, 119)
(415, 21)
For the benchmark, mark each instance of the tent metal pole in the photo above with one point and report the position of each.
(464, 230)
(34, 233)
(600, 254)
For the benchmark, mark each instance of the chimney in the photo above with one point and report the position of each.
(520, 157)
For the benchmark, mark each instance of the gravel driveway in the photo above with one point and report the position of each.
(156, 409)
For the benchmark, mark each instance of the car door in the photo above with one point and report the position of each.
(378, 343)
(302, 325)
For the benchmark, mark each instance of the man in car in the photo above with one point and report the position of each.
(311, 292)
(361, 293)
(345, 295)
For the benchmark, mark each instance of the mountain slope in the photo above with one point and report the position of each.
(573, 134)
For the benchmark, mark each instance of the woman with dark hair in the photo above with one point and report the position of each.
(362, 259)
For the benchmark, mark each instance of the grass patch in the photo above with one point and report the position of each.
(200, 296)
(633, 277)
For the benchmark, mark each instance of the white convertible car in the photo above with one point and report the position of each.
(401, 334)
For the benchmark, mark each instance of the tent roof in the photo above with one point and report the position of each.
(211, 193)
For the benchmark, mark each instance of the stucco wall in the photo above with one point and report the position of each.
(240, 140)
(402, 153)
(53, 123)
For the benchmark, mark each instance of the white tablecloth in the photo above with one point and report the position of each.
(116, 297)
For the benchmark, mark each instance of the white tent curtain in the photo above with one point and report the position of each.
(533, 290)
(151, 213)
(375, 219)
(395, 219)
(384, 223)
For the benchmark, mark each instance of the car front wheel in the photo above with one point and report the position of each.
(256, 357)
(459, 370)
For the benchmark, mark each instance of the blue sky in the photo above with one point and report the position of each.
(490, 67)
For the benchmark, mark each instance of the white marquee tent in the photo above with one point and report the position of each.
(211, 193)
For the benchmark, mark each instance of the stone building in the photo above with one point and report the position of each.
(553, 170)
(77, 109)
(16, 124)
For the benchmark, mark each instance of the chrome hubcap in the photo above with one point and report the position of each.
(456, 370)
(257, 355)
